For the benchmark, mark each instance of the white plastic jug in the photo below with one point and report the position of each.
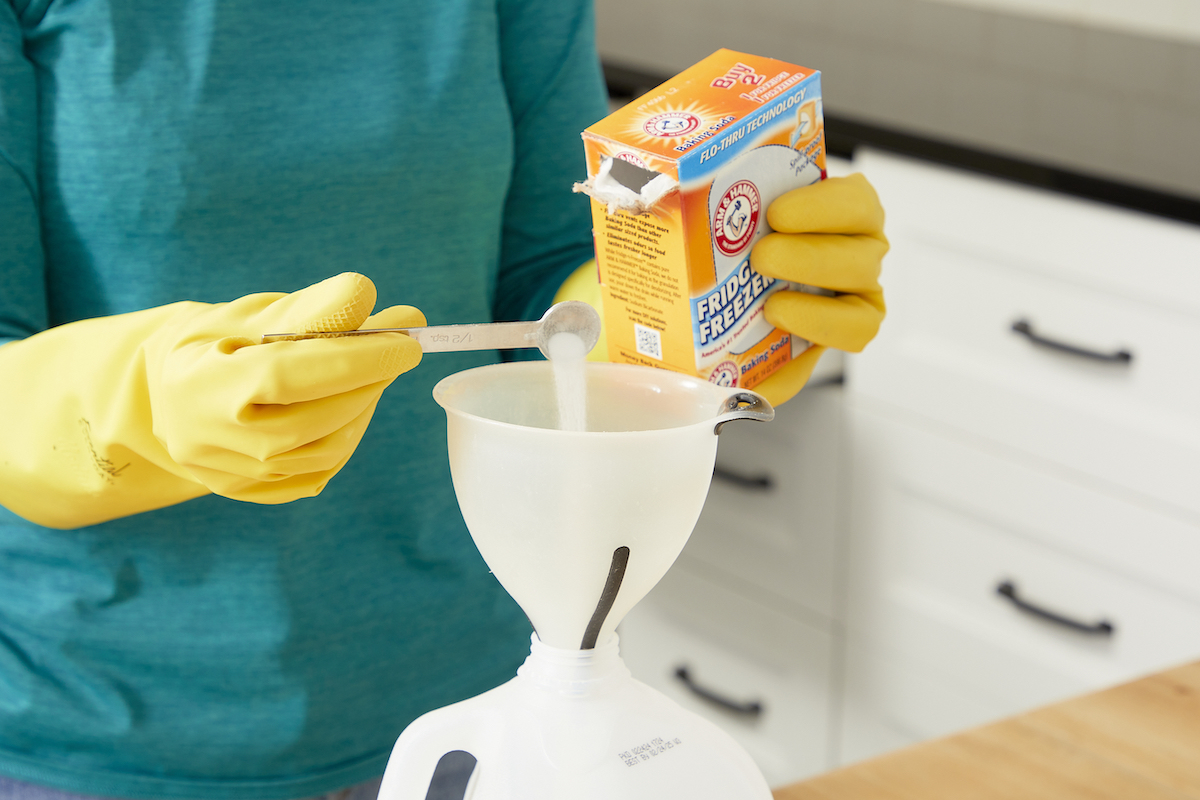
(573, 725)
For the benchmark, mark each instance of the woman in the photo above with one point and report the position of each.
(172, 625)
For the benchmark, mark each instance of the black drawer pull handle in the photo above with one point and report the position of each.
(1101, 628)
(762, 483)
(751, 709)
(1025, 328)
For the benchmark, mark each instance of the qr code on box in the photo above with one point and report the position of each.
(649, 341)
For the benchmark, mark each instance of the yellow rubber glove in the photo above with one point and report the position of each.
(828, 235)
(112, 416)
(584, 285)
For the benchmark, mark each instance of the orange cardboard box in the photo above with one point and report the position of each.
(710, 149)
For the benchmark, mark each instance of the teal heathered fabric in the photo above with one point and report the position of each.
(154, 151)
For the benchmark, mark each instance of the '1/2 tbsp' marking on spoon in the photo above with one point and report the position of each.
(444, 338)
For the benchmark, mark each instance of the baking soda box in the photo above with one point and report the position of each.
(680, 181)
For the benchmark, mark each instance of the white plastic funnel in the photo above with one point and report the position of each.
(579, 526)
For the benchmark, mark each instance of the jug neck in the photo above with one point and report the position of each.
(573, 672)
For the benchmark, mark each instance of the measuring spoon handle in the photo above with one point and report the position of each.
(574, 316)
(441, 338)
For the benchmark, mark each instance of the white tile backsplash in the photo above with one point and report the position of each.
(1106, 137)
(1189, 26)
(1172, 19)
(1152, 17)
(1036, 50)
(1123, 64)
(993, 125)
(949, 30)
(1189, 75)
(1047, 81)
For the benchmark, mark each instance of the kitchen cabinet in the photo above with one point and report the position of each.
(761, 674)
(744, 629)
(1023, 457)
(999, 509)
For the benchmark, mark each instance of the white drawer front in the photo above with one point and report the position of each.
(775, 531)
(971, 256)
(1124, 253)
(949, 568)
(935, 649)
(925, 585)
(865, 729)
(744, 653)
(956, 309)
(949, 354)
(893, 699)
(1022, 496)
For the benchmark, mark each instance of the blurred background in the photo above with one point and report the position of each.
(997, 504)
(1107, 88)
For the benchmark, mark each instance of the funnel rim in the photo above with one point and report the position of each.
(721, 394)
(561, 432)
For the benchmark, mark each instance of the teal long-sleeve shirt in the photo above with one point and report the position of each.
(160, 150)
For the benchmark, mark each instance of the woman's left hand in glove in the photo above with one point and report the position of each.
(828, 235)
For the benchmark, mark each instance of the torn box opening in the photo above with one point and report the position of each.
(624, 186)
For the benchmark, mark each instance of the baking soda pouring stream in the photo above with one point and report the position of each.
(577, 525)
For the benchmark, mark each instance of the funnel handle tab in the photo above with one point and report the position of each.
(744, 405)
(616, 574)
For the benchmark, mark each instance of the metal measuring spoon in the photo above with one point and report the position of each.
(572, 315)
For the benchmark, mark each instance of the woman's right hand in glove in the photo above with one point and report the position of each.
(112, 416)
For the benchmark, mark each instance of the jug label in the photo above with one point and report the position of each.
(648, 750)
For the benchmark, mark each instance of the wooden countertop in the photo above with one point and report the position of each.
(1137, 741)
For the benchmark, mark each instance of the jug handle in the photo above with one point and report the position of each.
(743, 405)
